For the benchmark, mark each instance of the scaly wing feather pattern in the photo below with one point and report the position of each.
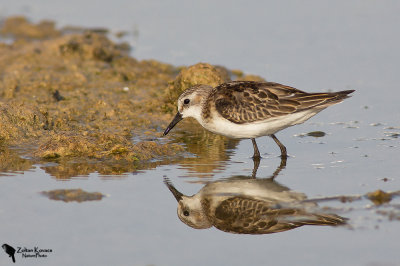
(250, 216)
(248, 101)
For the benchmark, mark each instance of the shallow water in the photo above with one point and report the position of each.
(314, 46)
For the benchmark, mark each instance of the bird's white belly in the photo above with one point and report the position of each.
(222, 126)
(252, 188)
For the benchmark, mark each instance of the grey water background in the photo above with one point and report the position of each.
(311, 45)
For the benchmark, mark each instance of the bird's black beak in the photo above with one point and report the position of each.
(178, 117)
(175, 192)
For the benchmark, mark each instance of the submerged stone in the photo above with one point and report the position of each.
(68, 195)
(316, 134)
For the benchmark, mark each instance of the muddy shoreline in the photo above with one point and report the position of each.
(75, 98)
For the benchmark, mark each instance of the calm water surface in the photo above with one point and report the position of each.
(314, 45)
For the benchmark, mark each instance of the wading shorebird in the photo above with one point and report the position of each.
(245, 205)
(250, 109)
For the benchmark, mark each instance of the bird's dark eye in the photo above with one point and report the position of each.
(186, 101)
(186, 213)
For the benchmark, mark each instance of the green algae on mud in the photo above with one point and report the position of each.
(81, 97)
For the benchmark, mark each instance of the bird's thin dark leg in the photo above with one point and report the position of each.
(256, 162)
(281, 146)
(280, 168)
(256, 152)
(256, 158)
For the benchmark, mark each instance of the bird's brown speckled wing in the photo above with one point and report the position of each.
(250, 216)
(248, 101)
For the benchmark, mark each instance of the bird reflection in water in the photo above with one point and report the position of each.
(248, 205)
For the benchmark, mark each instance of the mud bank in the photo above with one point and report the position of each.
(75, 95)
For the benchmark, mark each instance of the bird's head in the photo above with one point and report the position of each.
(190, 210)
(189, 104)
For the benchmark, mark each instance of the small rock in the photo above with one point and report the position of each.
(379, 197)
